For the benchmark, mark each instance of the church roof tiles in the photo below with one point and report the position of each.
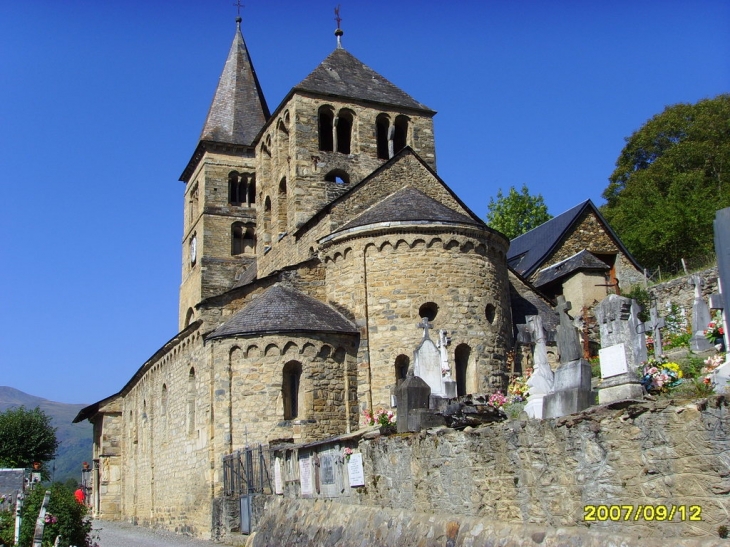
(343, 75)
(239, 109)
(408, 205)
(284, 309)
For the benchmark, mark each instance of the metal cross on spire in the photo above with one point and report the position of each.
(337, 15)
(238, 7)
(339, 32)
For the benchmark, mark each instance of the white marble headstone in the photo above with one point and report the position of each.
(613, 361)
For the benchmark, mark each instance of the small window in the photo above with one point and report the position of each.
(344, 131)
(461, 356)
(163, 400)
(428, 310)
(191, 401)
(251, 190)
(489, 313)
(338, 176)
(382, 124)
(400, 135)
(326, 123)
(290, 388)
(237, 232)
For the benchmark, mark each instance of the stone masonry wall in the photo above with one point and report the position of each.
(528, 483)
(680, 292)
(383, 279)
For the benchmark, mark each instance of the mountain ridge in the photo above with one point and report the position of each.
(75, 440)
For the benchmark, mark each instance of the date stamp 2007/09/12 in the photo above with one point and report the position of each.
(647, 513)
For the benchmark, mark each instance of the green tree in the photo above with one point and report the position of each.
(671, 177)
(26, 436)
(517, 212)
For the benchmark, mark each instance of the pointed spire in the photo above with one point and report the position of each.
(239, 109)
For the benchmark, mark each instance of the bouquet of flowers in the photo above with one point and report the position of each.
(497, 400)
(658, 376)
(715, 329)
(517, 389)
(380, 417)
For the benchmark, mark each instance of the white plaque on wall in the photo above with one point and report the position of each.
(613, 361)
(355, 471)
(305, 476)
(277, 476)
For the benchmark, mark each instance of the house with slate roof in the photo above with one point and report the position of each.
(315, 239)
(575, 254)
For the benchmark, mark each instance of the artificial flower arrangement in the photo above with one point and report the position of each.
(380, 417)
(715, 328)
(659, 375)
(517, 391)
(347, 452)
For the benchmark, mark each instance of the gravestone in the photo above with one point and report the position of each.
(541, 381)
(721, 375)
(700, 318)
(571, 387)
(654, 325)
(427, 364)
(414, 414)
(623, 349)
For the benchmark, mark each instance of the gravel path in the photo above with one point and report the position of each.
(122, 534)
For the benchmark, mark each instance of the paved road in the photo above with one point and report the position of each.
(122, 534)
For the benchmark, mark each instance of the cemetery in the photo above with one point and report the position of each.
(639, 452)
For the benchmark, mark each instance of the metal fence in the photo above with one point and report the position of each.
(246, 471)
(684, 267)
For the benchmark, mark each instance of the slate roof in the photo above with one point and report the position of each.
(343, 75)
(528, 252)
(582, 260)
(239, 109)
(525, 301)
(248, 276)
(408, 205)
(283, 309)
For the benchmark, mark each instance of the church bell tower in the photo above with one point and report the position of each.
(219, 226)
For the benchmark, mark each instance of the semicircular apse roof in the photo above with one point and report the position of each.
(283, 309)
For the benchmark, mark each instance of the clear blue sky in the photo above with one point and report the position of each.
(102, 103)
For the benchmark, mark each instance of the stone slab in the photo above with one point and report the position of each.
(568, 401)
(534, 406)
(573, 375)
(620, 392)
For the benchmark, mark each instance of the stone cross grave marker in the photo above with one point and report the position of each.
(621, 353)
(654, 325)
(427, 361)
(568, 337)
(541, 381)
(700, 318)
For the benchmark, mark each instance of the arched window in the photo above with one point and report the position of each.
(400, 135)
(191, 401)
(343, 123)
(249, 240)
(237, 234)
(234, 195)
(461, 355)
(281, 199)
(326, 122)
(163, 400)
(429, 310)
(251, 189)
(337, 176)
(402, 362)
(189, 317)
(267, 221)
(382, 124)
(290, 386)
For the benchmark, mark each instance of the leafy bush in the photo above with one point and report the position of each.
(514, 410)
(65, 517)
(677, 341)
(7, 527)
(692, 367)
(693, 388)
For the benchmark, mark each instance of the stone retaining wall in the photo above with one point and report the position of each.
(527, 483)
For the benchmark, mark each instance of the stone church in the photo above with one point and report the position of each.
(316, 237)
